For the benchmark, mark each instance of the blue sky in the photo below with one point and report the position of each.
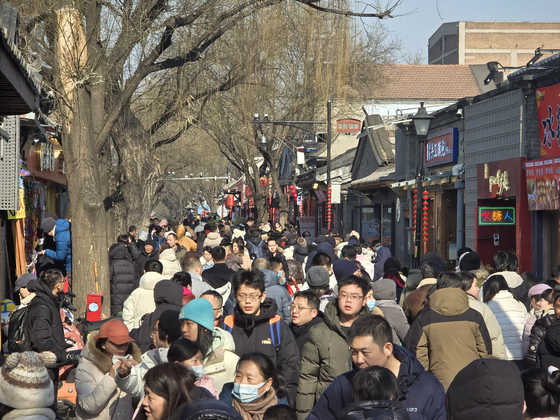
(414, 29)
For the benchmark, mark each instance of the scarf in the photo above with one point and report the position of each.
(255, 410)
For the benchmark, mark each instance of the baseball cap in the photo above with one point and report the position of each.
(23, 281)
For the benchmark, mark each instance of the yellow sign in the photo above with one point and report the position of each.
(18, 214)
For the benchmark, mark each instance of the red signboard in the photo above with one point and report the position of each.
(500, 179)
(442, 148)
(543, 184)
(548, 106)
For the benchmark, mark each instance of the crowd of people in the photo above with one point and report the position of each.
(211, 320)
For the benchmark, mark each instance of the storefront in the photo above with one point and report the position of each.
(503, 219)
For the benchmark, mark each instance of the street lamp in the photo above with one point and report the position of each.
(422, 121)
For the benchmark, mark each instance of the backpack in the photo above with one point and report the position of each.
(18, 333)
(257, 249)
(274, 324)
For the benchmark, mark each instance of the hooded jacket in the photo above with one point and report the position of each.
(252, 333)
(494, 329)
(141, 301)
(548, 353)
(512, 316)
(516, 286)
(183, 240)
(279, 293)
(300, 252)
(97, 394)
(170, 264)
(218, 276)
(322, 247)
(213, 239)
(486, 389)
(301, 331)
(379, 262)
(379, 410)
(44, 323)
(168, 295)
(414, 302)
(421, 393)
(535, 339)
(448, 335)
(121, 275)
(221, 362)
(63, 242)
(325, 355)
(385, 294)
(141, 262)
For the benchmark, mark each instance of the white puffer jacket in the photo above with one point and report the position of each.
(170, 264)
(141, 301)
(512, 316)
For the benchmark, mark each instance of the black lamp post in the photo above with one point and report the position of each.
(422, 121)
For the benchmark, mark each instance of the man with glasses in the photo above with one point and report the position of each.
(256, 327)
(217, 302)
(305, 314)
(326, 354)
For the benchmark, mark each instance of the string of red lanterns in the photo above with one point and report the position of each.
(425, 218)
(415, 212)
(329, 219)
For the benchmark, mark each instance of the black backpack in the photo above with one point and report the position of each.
(18, 334)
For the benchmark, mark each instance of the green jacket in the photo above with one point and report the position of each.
(325, 355)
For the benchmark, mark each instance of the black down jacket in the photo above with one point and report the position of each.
(548, 353)
(535, 339)
(121, 275)
(379, 410)
(44, 324)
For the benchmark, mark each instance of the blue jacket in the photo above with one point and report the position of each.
(279, 293)
(421, 393)
(63, 244)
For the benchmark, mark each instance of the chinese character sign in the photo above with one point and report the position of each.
(496, 216)
(442, 148)
(548, 106)
(543, 184)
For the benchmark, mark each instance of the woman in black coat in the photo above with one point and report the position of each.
(122, 278)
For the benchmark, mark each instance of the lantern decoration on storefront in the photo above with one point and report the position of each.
(329, 219)
(415, 202)
(230, 201)
(294, 195)
(425, 220)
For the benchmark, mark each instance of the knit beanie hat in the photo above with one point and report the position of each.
(48, 224)
(170, 324)
(150, 242)
(343, 268)
(289, 253)
(25, 382)
(331, 241)
(384, 289)
(200, 311)
(320, 239)
(318, 276)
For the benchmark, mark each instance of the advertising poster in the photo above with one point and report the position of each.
(543, 184)
(307, 224)
(548, 108)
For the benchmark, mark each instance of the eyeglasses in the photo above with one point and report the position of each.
(252, 298)
(346, 296)
(298, 308)
(217, 309)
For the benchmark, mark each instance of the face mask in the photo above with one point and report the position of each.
(198, 371)
(280, 273)
(246, 393)
(370, 304)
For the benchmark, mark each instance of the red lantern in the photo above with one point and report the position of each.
(230, 201)
(264, 181)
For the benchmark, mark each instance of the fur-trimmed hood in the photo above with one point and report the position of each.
(104, 361)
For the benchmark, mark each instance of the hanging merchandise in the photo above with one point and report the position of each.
(415, 212)
(425, 218)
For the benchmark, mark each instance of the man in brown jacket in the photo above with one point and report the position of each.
(413, 303)
(447, 335)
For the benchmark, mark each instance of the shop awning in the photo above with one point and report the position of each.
(375, 177)
(234, 186)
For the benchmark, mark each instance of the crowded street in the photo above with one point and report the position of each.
(280, 210)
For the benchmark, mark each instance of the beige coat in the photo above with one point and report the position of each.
(97, 394)
(141, 301)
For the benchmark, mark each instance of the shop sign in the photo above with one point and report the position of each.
(499, 179)
(321, 196)
(496, 216)
(307, 224)
(442, 148)
(548, 110)
(543, 184)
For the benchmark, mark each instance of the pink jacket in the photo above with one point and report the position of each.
(208, 383)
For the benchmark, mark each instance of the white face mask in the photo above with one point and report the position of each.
(198, 371)
(246, 393)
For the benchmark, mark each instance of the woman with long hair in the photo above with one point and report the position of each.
(167, 388)
(257, 386)
(238, 245)
(216, 345)
(510, 313)
(187, 353)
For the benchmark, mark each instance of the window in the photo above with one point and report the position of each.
(340, 126)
